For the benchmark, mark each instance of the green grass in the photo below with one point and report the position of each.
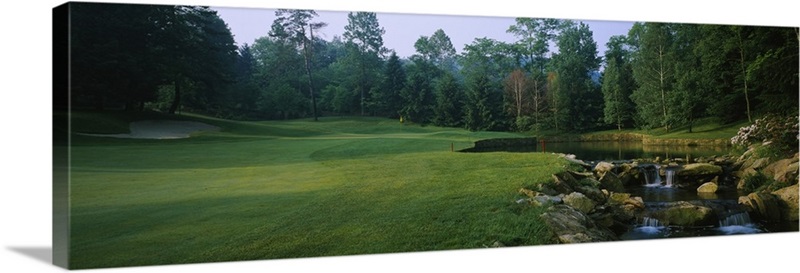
(286, 189)
(706, 128)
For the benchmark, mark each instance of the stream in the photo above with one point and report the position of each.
(658, 188)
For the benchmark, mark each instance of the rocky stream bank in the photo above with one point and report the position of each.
(603, 202)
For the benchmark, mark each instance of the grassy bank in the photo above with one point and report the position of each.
(704, 130)
(284, 189)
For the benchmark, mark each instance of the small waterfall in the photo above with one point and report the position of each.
(651, 176)
(738, 223)
(651, 222)
(650, 228)
(738, 219)
(670, 173)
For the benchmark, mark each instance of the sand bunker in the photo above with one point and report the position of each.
(162, 129)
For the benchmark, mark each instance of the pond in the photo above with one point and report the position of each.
(613, 150)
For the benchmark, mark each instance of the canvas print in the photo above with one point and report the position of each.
(193, 134)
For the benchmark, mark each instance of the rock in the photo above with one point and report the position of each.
(708, 187)
(581, 175)
(497, 244)
(611, 182)
(615, 198)
(699, 169)
(528, 192)
(740, 185)
(567, 179)
(626, 174)
(683, 213)
(571, 158)
(580, 202)
(603, 219)
(623, 208)
(593, 193)
(789, 202)
(561, 183)
(762, 206)
(784, 170)
(545, 200)
(759, 163)
(603, 167)
(707, 195)
(548, 189)
(572, 226)
(637, 202)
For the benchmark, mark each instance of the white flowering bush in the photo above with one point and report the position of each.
(781, 131)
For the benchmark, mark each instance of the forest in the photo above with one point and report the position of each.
(660, 75)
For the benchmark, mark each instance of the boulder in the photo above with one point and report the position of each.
(763, 206)
(699, 169)
(567, 179)
(603, 219)
(740, 184)
(616, 199)
(572, 226)
(636, 202)
(759, 163)
(580, 202)
(789, 202)
(683, 213)
(529, 193)
(603, 167)
(545, 200)
(626, 174)
(784, 170)
(581, 175)
(623, 207)
(561, 183)
(708, 187)
(611, 182)
(593, 193)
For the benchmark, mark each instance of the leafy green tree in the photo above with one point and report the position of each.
(437, 49)
(246, 93)
(448, 110)
(773, 73)
(418, 97)
(364, 38)
(485, 63)
(115, 55)
(488, 57)
(690, 99)
(654, 72)
(517, 93)
(387, 98)
(299, 29)
(579, 99)
(618, 83)
(279, 68)
(483, 110)
(534, 36)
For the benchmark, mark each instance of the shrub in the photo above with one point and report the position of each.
(754, 181)
(781, 132)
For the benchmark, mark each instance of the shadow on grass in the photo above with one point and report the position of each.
(42, 254)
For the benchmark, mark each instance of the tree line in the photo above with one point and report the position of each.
(183, 58)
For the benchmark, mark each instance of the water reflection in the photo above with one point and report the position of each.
(610, 150)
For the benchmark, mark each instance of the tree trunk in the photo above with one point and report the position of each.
(663, 95)
(307, 56)
(176, 101)
(744, 75)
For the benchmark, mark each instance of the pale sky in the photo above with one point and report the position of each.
(403, 29)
